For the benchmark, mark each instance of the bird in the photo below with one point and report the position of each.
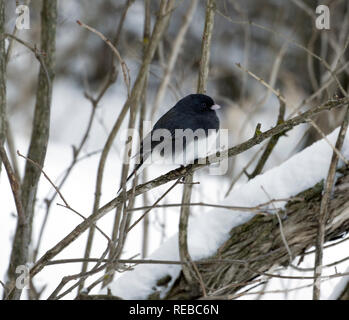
(196, 112)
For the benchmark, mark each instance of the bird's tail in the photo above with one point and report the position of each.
(134, 171)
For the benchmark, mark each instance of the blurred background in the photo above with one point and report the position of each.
(275, 40)
(256, 35)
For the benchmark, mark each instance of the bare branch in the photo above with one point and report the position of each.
(177, 44)
(15, 185)
(39, 137)
(188, 271)
(2, 78)
(324, 209)
(123, 64)
(271, 144)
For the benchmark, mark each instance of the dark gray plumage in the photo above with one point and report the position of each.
(195, 111)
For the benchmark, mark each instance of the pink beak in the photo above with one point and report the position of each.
(215, 107)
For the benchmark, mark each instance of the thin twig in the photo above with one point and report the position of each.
(324, 63)
(282, 233)
(82, 276)
(325, 202)
(177, 44)
(188, 179)
(38, 54)
(271, 144)
(125, 69)
(153, 206)
(334, 148)
(259, 79)
(14, 183)
(257, 209)
(3, 116)
(66, 204)
(244, 169)
(142, 118)
(283, 100)
(183, 231)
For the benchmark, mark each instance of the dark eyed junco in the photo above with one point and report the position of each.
(193, 118)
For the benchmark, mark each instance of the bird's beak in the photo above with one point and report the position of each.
(215, 107)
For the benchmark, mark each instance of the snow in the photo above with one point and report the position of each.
(338, 289)
(208, 230)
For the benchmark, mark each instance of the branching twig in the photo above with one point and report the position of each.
(271, 144)
(123, 64)
(66, 204)
(282, 100)
(40, 55)
(153, 206)
(81, 276)
(142, 118)
(183, 231)
(259, 79)
(15, 185)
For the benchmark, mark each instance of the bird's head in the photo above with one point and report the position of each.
(198, 103)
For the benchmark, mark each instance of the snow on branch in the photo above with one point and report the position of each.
(245, 245)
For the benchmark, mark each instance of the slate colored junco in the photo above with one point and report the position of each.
(193, 113)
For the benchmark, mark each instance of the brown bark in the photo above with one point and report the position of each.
(38, 142)
(258, 242)
(2, 76)
(188, 181)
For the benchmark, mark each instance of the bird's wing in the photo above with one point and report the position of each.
(147, 144)
(144, 148)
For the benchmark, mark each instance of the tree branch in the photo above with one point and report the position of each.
(325, 203)
(268, 249)
(39, 138)
(188, 268)
(2, 77)
(181, 172)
